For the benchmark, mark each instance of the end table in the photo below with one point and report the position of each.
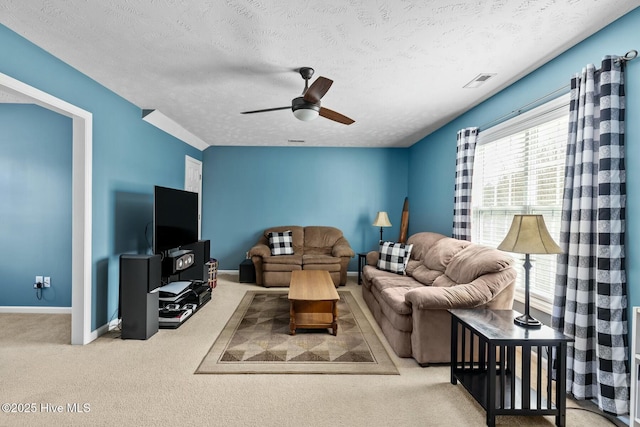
(362, 261)
(484, 347)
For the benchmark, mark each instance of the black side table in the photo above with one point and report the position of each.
(485, 361)
(362, 261)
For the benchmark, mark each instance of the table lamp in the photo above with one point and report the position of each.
(528, 235)
(382, 220)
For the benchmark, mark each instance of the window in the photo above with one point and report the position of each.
(519, 169)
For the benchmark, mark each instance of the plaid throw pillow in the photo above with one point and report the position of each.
(281, 243)
(394, 257)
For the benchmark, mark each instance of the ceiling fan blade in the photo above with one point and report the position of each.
(317, 90)
(266, 109)
(336, 117)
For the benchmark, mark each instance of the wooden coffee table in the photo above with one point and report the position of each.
(313, 301)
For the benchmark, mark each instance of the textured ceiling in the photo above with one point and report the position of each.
(398, 66)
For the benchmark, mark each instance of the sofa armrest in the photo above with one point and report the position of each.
(433, 297)
(342, 248)
(479, 292)
(260, 250)
(372, 258)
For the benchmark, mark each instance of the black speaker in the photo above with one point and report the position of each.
(139, 275)
(200, 270)
(247, 272)
(177, 261)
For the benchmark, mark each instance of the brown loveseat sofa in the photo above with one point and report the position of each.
(441, 273)
(315, 248)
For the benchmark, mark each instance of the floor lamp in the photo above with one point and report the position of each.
(528, 235)
(382, 220)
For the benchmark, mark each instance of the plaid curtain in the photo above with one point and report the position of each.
(590, 302)
(462, 192)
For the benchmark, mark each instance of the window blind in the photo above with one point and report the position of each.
(519, 169)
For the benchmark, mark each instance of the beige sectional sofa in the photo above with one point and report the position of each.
(314, 248)
(441, 273)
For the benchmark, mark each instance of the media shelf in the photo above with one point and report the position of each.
(176, 324)
(174, 312)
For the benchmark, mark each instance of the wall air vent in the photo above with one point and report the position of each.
(479, 80)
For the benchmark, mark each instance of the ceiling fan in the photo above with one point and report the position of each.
(307, 106)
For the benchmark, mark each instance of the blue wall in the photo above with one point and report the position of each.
(432, 160)
(130, 156)
(248, 189)
(35, 212)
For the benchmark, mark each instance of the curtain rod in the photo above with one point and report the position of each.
(629, 56)
(520, 110)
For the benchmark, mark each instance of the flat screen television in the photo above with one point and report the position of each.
(175, 219)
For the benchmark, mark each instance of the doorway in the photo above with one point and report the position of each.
(81, 234)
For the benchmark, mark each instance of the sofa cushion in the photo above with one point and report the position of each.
(383, 279)
(370, 272)
(476, 260)
(320, 237)
(331, 268)
(281, 267)
(401, 322)
(394, 257)
(281, 243)
(283, 259)
(441, 253)
(424, 275)
(412, 265)
(422, 242)
(393, 296)
(319, 259)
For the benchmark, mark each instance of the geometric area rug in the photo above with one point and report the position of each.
(256, 340)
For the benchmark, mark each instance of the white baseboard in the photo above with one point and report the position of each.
(349, 273)
(103, 329)
(35, 310)
(107, 327)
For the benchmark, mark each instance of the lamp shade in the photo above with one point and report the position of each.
(382, 220)
(529, 235)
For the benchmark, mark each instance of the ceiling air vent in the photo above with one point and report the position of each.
(479, 80)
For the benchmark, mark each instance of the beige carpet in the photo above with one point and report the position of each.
(152, 383)
(256, 340)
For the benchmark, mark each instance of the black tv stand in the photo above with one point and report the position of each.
(195, 298)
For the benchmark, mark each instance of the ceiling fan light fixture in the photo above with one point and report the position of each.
(304, 110)
(305, 114)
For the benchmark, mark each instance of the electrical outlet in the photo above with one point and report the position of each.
(39, 279)
(47, 282)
